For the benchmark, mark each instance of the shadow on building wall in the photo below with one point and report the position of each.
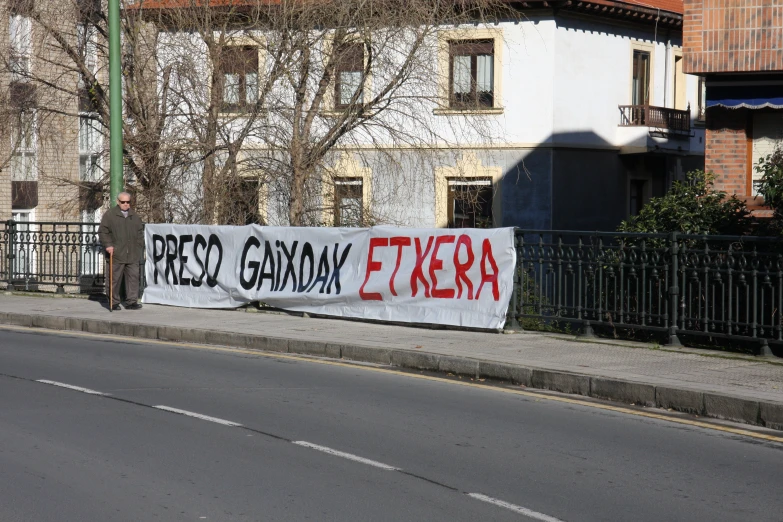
(578, 181)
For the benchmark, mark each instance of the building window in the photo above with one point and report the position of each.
(247, 202)
(20, 35)
(91, 251)
(470, 203)
(640, 93)
(239, 77)
(767, 133)
(349, 73)
(23, 263)
(87, 37)
(90, 145)
(636, 196)
(471, 73)
(23, 154)
(680, 96)
(348, 202)
(702, 99)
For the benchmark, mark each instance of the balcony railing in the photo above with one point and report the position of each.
(661, 118)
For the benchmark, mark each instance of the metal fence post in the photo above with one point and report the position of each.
(511, 317)
(10, 253)
(674, 292)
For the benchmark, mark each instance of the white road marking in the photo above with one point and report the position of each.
(344, 455)
(198, 416)
(70, 387)
(518, 509)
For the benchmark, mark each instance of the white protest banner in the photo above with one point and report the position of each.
(460, 277)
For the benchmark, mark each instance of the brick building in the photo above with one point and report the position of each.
(736, 47)
(40, 153)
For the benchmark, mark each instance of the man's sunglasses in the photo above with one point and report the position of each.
(123, 202)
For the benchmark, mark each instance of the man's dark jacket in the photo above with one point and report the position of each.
(125, 234)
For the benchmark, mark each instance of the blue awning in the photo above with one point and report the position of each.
(745, 96)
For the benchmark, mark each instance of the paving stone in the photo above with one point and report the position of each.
(169, 333)
(96, 326)
(49, 321)
(622, 391)
(415, 360)
(681, 400)
(18, 319)
(458, 366)
(560, 381)
(505, 372)
(771, 415)
(307, 347)
(731, 408)
(366, 354)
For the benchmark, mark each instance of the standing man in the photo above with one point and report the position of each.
(122, 235)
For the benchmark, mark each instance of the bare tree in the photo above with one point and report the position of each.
(227, 99)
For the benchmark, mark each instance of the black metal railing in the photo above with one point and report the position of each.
(674, 284)
(50, 256)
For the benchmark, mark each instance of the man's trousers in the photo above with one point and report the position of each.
(130, 271)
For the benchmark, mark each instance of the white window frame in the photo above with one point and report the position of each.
(24, 147)
(649, 48)
(342, 212)
(90, 147)
(24, 263)
(91, 255)
(88, 46)
(347, 165)
(445, 37)
(20, 36)
(467, 168)
(470, 182)
(259, 43)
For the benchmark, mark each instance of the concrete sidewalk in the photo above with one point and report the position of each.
(714, 384)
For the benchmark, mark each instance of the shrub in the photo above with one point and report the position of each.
(692, 206)
(771, 185)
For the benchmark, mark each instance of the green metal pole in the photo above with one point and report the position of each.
(115, 102)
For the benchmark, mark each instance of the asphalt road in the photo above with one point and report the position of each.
(291, 439)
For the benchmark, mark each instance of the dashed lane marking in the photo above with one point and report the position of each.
(197, 415)
(71, 387)
(303, 358)
(513, 507)
(344, 455)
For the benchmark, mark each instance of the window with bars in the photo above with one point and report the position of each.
(239, 78)
(348, 202)
(471, 73)
(470, 203)
(349, 73)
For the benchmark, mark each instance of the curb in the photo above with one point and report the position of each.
(706, 404)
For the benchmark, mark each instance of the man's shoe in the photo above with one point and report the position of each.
(134, 306)
(116, 308)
